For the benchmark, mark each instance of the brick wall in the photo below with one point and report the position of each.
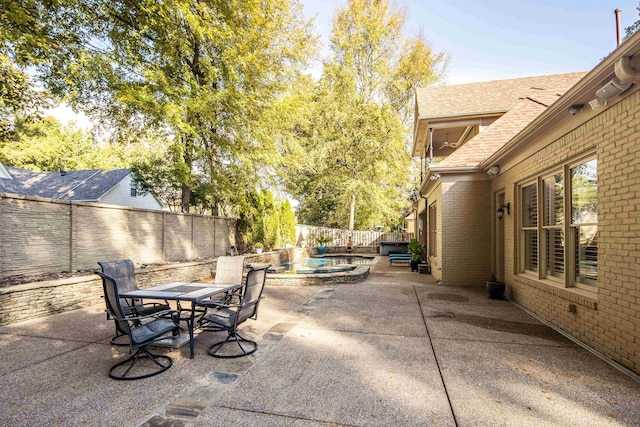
(466, 254)
(435, 197)
(45, 236)
(607, 319)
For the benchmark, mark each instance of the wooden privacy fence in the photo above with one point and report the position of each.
(340, 237)
(40, 236)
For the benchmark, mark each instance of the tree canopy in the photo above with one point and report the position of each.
(356, 171)
(206, 71)
(209, 102)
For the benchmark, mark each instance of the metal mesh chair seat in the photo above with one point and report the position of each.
(151, 330)
(240, 307)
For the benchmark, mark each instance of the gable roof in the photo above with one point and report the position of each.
(86, 185)
(496, 96)
(501, 131)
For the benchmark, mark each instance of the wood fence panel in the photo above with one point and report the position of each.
(340, 237)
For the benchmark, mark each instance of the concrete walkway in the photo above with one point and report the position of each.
(395, 350)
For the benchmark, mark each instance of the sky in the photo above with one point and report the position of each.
(495, 39)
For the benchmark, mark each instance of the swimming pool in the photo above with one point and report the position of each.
(326, 264)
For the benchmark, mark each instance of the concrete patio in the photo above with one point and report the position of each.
(394, 350)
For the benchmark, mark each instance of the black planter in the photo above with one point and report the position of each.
(414, 265)
(495, 289)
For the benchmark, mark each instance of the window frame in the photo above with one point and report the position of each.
(542, 242)
(523, 229)
(433, 229)
(134, 189)
(568, 227)
(571, 227)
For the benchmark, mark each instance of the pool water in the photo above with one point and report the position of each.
(327, 264)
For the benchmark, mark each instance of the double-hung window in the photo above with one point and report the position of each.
(529, 227)
(584, 222)
(561, 245)
(553, 226)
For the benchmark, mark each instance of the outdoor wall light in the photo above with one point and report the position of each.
(434, 177)
(493, 170)
(500, 211)
(575, 109)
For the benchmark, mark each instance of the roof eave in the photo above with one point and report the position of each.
(454, 169)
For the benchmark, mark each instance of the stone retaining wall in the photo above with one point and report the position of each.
(357, 275)
(40, 299)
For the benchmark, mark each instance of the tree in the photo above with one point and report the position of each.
(287, 223)
(20, 104)
(47, 145)
(633, 27)
(207, 71)
(356, 143)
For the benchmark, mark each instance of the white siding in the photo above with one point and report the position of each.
(3, 173)
(120, 194)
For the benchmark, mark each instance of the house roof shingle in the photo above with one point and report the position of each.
(71, 185)
(500, 132)
(486, 97)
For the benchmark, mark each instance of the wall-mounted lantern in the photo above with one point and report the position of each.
(500, 211)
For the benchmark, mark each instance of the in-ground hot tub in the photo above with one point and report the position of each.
(324, 264)
(327, 270)
(387, 248)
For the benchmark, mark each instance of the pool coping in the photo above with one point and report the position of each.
(359, 274)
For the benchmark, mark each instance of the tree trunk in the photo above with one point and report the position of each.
(352, 214)
(186, 198)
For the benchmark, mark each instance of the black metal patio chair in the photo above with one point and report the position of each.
(142, 330)
(229, 270)
(123, 272)
(237, 309)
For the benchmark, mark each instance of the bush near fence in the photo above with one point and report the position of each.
(42, 236)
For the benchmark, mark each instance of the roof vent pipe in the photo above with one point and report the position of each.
(618, 28)
(624, 71)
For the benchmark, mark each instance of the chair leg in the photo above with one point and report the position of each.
(234, 337)
(141, 353)
(118, 340)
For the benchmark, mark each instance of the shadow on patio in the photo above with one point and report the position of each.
(393, 350)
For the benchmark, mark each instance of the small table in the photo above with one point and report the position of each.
(182, 291)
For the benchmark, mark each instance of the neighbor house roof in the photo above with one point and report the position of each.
(501, 131)
(87, 185)
(496, 96)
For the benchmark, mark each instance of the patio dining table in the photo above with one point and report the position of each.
(182, 291)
